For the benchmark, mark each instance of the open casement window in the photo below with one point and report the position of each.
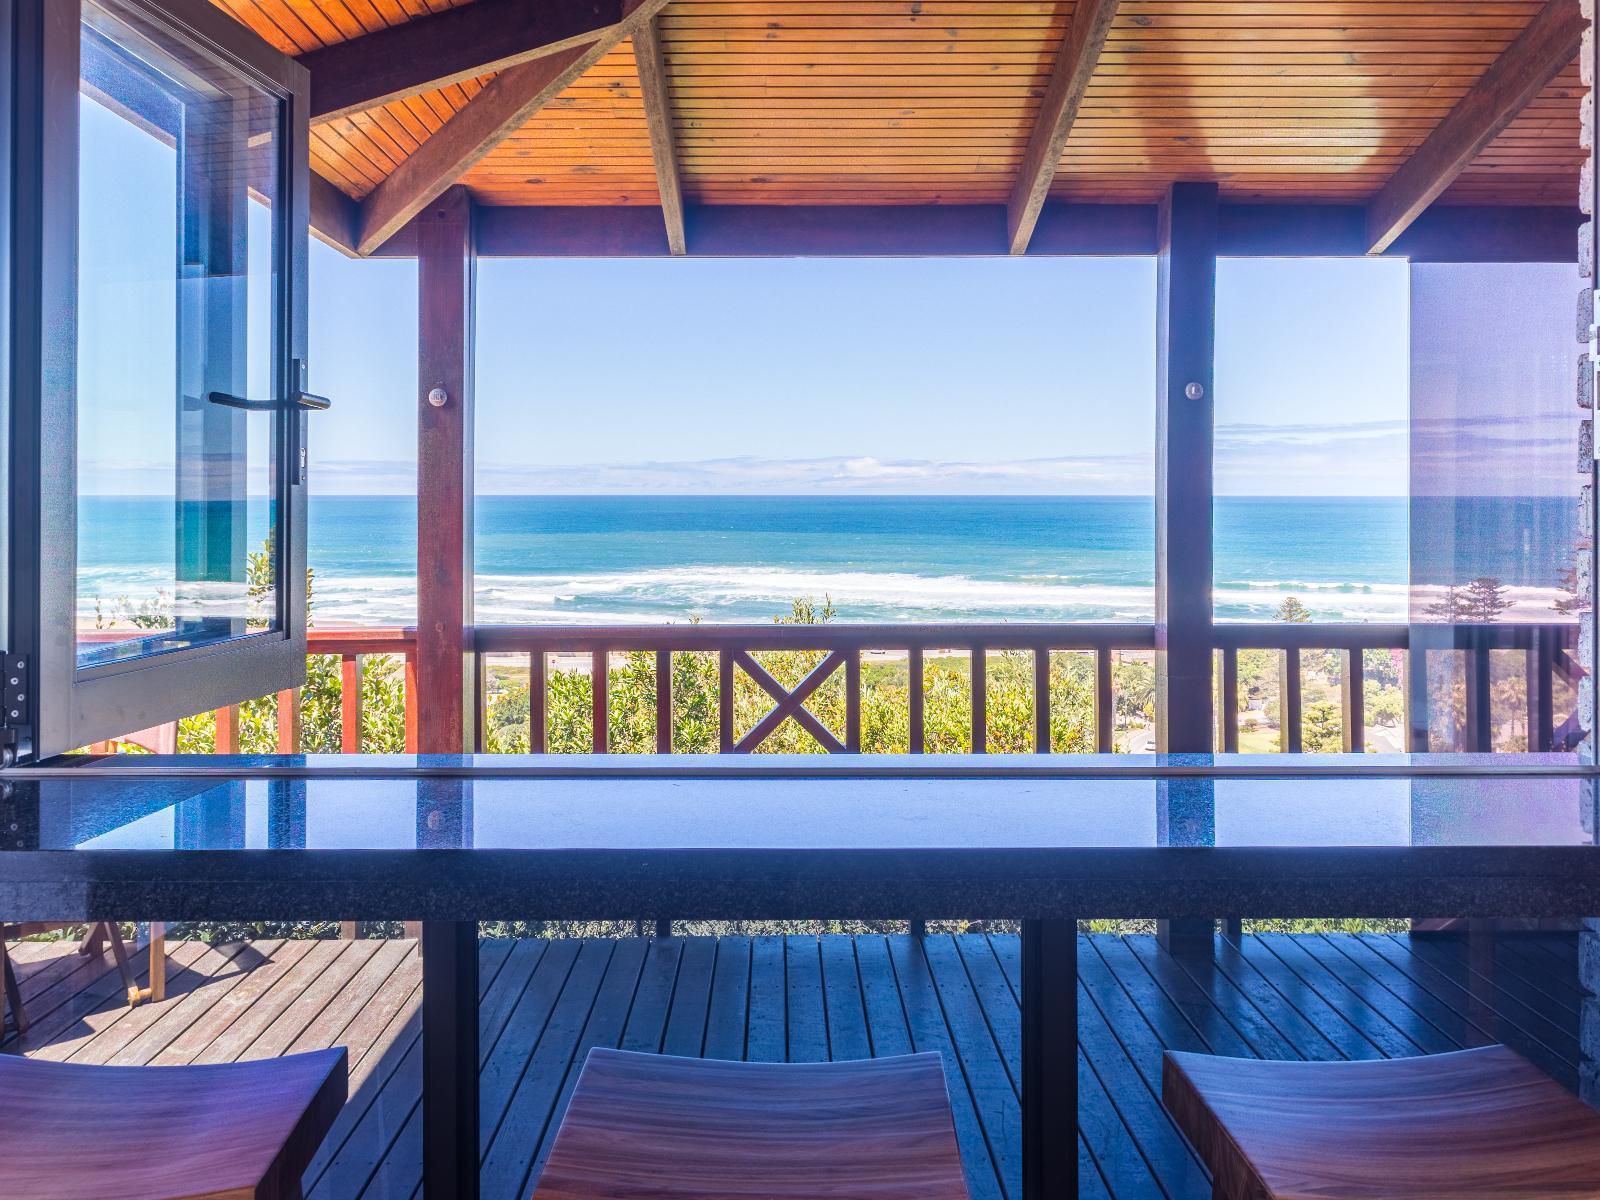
(165, 194)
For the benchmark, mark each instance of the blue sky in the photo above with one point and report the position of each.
(866, 376)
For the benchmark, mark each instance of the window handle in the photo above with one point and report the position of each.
(298, 400)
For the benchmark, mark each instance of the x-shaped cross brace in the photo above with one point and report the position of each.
(789, 704)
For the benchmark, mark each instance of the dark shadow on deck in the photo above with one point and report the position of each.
(544, 1003)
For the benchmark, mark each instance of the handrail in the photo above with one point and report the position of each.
(1546, 651)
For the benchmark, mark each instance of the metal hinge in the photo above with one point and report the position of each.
(14, 689)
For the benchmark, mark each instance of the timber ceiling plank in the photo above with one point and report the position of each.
(874, 101)
(464, 42)
(507, 103)
(934, 101)
(1276, 99)
(588, 146)
(1516, 78)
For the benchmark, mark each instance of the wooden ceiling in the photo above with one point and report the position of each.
(955, 102)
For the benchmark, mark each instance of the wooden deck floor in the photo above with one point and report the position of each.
(803, 998)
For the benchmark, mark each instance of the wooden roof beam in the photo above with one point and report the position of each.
(507, 103)
(431, 52)
(656, 92)
(1538, 55)
(1069, 80)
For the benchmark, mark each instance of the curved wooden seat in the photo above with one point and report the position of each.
(237, 1131)
(654, 1125)
(1474, 1123)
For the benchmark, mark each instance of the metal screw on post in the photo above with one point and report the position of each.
(438, 397)
(1195, 391)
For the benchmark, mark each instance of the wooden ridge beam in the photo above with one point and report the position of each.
(1538, 55)
(434, 51)
(1069, 80)
(507, 103)
(656, 92)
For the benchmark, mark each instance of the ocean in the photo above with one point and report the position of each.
(627, 559)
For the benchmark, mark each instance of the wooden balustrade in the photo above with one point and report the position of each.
(1546, 651)
(353, 647)
(840, 648)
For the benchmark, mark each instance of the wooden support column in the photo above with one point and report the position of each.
(445, 267)
(1185, 340)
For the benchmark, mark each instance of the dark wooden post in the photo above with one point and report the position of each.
(1050, 1059)
(1186, 302)
(445, 268)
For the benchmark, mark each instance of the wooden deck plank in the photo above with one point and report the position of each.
(99, 1006)
(1329, 1022)
(730, 1000)
(529, 1113)
(1454, 987)
(996, 998)
(994, 1089)
(1389, 1025)
(1118, 1068)
(245, 993)
(379, 1122)
(1206, 991)
(192, 1008)
(691, 999)
(806, 1018)
(1162, 1010)
(607, 1021)
(278, 1037)
(285, 988)
(352, 1001)
(185, 987)
(647, 1022)
(880, 996)
(1230, 968)
(766, 1029)
(1104, 1140)
(1501, 994)
(544, 1003)
(925, 1020)
(849, 1036)
(505, 1065)
(1514, 952)
(1447, 1020)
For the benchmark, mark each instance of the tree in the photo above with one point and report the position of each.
(1323, 731)
(1450, 607)
(1485, 599)
(1569, 601)
(1293, 612)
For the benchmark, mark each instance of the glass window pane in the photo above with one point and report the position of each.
(180, 232)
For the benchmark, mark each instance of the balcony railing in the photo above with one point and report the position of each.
(1450, 675)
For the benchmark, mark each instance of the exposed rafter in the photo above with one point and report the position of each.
(459, 43)
(657, 95)
(1069, 80)
(1538, 55)
(503, 106)
(334, 216)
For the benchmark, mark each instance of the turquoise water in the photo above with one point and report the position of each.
(740, 558)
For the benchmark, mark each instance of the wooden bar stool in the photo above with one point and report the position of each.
(1482, 1122)
(236, 1131)
(651, 1125)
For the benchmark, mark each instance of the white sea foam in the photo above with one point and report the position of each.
(758, 593)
